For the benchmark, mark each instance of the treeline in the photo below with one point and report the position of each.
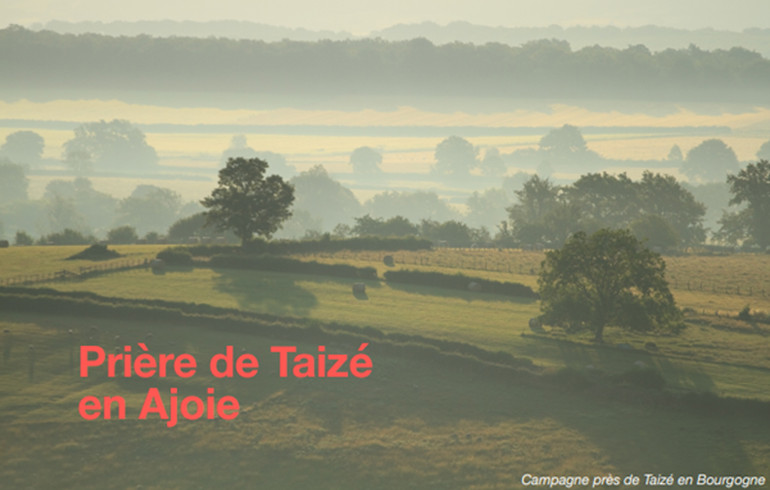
(285, 264)
(230, 257)
(47, 60)
(655, 37)
(460, 281)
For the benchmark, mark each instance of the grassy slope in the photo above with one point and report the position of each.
(410, 425)
(723, 358)
(723, 284)
(24, 261)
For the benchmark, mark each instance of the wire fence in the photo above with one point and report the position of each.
(75, 275)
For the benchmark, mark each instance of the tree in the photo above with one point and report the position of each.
(24, 147)
(455, 157)
(675, 154)
(116, 144)
(608, 278)
(366, 161)
(709, 161)
(610, 200)
(67, 237)
(492, 165)
(96, 208)
(395, 226)
(325, 198)
(122, 235)
(563, 141)
(764, 151)
(239, 148)
(451, 233)
(751, 186)
(664, 197)
(23, 239)
(540, 206)
(655, 232)
(413, 206)
(149, 208)
(13, 182)
(247, 202)
(184, 229)
(487, 208)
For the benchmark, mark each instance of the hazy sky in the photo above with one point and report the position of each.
(362, 16)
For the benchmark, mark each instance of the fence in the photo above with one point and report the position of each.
(79, 274)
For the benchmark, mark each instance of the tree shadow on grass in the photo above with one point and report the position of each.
(611, 359)
(277, 294)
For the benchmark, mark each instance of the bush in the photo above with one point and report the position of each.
(23, 239)
(459, 281)
(745, 314)
(284, 264)
(175, 256)
(67, 237)
(95, 252)
(122, 235)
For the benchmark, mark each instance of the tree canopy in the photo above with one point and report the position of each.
(455, 157)
(563, 141)
(23, 147)
(115, 145)
(546, 214)
(750, 187)
(13, 182)
(607, 279)
(324, 198)
(366, 161)
(710, 161)
(247, 202)
(395, 226)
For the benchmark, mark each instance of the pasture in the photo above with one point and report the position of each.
(415, 422)
(714, 353)
(411, 424)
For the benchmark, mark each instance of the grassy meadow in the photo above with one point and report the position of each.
(414, 423)
(411, 424)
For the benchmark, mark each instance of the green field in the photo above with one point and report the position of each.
(412, 424)
(415, 422)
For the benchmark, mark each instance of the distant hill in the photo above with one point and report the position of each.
(656, 38)
(233, 29)
(100, 64)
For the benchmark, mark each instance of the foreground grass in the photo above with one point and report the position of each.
(410, 425)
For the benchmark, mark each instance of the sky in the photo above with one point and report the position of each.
(363, 16)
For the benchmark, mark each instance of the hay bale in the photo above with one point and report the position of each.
(388, 260)
(359, 288)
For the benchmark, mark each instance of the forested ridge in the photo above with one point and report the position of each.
(545, 68)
